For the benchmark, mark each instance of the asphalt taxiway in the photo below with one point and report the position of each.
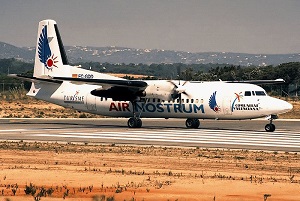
(246, 134)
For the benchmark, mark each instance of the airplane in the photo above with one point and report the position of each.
(55, 81)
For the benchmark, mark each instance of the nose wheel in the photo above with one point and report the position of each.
(271, 127)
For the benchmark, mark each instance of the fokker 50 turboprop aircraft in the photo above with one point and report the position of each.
(85, 90)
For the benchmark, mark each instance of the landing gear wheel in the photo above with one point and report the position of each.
(192, 123)
(134, 123)
(196, 123)
(139, 123)
(270, 127)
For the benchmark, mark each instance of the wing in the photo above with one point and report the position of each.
(277, 81)
(106, 82)
(119, 90)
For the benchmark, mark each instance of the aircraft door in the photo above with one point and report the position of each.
(227, 106)
(91, 102)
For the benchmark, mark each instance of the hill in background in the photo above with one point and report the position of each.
(125, 55)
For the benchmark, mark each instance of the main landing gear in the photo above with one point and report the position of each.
(271, 127)
(192, 123)
(135, 121)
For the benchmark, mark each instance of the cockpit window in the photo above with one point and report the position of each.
(260, 93)
(247, 93)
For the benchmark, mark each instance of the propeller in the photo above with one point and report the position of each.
(178, 90)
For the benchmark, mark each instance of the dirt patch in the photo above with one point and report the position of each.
(92, 172)
(294, 113)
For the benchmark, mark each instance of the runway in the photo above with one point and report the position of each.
(248, 134)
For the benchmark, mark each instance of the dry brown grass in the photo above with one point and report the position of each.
(147, 173)
(294, 113)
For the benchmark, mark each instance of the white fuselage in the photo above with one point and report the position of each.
(202, 100)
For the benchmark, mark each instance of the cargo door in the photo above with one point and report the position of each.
(227, 106)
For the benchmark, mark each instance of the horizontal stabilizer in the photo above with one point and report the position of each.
(35, 79)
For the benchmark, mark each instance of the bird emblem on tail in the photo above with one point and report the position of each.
(213, 103)
(44, 50)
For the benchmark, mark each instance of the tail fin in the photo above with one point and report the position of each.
(50, 56)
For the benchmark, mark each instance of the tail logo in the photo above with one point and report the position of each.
(213, 103)
(44, 51)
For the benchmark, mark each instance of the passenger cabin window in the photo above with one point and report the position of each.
(260, 93)
(247, 93)
(253, 94)
(187, 100)
(192, 100)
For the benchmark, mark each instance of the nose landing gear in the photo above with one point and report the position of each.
(271, 127)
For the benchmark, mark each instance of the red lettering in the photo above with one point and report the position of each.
(119, 107)
(125, 106)
(113, 107)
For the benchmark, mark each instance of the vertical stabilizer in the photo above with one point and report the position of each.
(50, 56)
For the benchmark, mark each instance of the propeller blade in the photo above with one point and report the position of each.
(178, 90)
(179, 99)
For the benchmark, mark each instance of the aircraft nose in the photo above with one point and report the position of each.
(285, 106)
(289, 106)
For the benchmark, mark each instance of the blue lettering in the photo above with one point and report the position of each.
(177, 107)
(168, 107)
(140, 107)
(159, 107)
(196, 108)
(190, 108)
(150, 107)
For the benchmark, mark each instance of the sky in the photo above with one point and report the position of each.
(240, 26)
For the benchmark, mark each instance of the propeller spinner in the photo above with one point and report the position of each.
(178, 90)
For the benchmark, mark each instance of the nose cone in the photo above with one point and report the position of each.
(277, 106)
(283, 106)
(288, 107)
